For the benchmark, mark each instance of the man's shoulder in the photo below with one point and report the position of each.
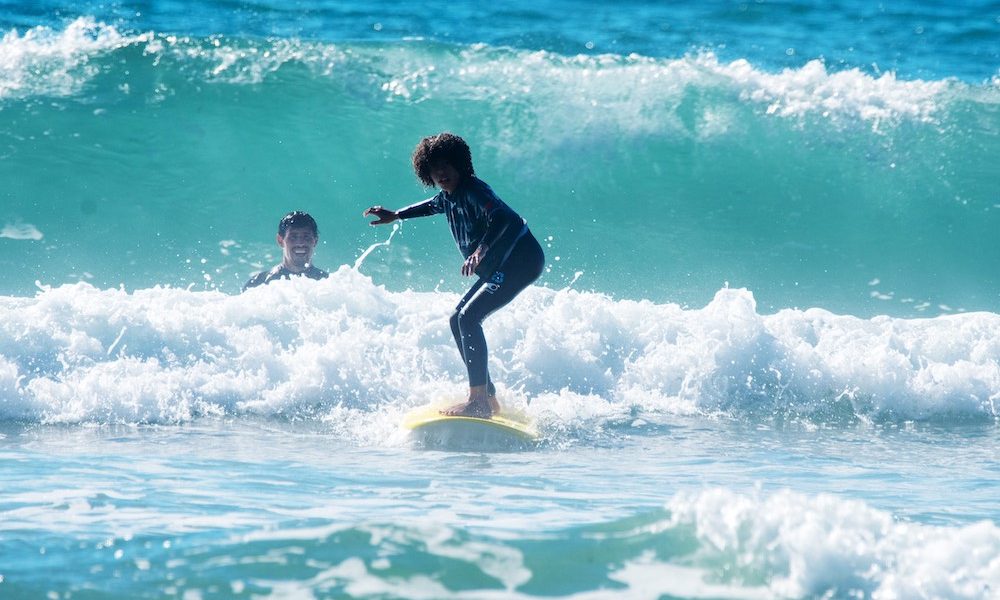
(263, 277)
(314, 273)
(279, 272)
(258, 279)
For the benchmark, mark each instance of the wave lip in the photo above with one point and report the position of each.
(812, 89)
(638, 88)
(46, 62)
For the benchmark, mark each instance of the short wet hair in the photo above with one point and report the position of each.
(299, 220)
(443, 147)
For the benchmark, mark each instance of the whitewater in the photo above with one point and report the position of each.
(763, 358)
(352, 352)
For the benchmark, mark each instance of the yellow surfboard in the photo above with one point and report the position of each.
(509, 430)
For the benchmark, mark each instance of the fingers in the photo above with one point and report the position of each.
(382, 215)
(470, 264)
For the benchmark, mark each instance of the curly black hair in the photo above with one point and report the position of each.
(443, 147)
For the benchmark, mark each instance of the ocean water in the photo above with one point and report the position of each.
(764, 356)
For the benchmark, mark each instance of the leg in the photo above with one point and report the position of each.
(475, 392)
(456, 330)
(469, 339)
(522, 267)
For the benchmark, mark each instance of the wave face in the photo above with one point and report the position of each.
(714, 543)
(151, 158)
(356, 355)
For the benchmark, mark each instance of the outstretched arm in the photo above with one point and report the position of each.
(383, 215)
(424, 208)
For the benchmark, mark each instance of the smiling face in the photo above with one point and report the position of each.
(445, 176)
(297, 246)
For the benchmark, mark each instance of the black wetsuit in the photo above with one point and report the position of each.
(280, 272)
(513, 260)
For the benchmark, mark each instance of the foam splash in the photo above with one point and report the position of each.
(813, 89)
(21, 231)
(361, 259)
(356, 355)
(793, 545)
(47, 62)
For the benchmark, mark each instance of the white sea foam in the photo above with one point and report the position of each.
(47, 62)
(813, 89)
(633, 91)
(21, 231)
(810, 546)
(347, 347)
(637, 93)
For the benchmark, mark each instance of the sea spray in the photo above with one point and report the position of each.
(387, 242)
(302, 348)
(804, 546)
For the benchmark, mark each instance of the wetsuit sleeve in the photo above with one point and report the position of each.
(424, 208)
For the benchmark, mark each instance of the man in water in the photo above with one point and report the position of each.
(297, 236)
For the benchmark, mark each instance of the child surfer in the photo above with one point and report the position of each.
(495, 242)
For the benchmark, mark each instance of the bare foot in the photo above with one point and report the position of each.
(491, 397)
(480, 408)
(482, 403)
(493, 403)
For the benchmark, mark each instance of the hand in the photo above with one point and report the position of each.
(384, 215)
(471, 263)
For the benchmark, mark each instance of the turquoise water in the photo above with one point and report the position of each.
(764, 356)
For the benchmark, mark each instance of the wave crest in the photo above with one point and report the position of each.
(315, 349)
(792, 545)
(44, 61)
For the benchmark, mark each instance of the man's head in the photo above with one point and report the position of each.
(297, 219)
(297, 236)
